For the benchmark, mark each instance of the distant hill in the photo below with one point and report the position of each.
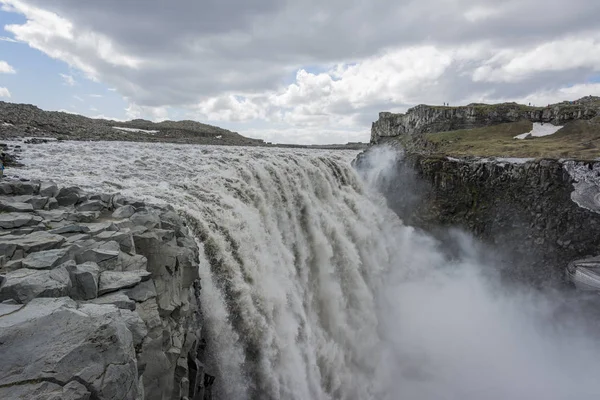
(18, 120)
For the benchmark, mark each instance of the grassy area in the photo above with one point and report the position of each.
(578, 139)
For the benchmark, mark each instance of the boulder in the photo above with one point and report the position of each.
(97, 227)
(6, 309)
(84, 280)
(142, 291)
(68, 196)
(36, 241)
(47, 259)
(123, 238)
(106, 258)
(6, 206)
(14, 220)
(146, 218)
(25, 284)
(92, 205)
(133, 263)
(124, 212)
(118, 299)
(48, 189)
(111, 281)
(37, 202)
(52, 215)
(71, 228)
(52, 204)
(17, 188)
(103, 197)
(52, 340)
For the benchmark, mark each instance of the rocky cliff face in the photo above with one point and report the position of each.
(427, 119)
(539, 215)
(98, 298)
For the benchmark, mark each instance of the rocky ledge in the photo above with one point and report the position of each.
(98, 298)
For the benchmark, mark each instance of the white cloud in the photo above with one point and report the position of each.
(6, 68)
(4, 92)
(78, 98)
(96, 95)
(560, 55)
(313, 66)
(7, 39)
(68, 80)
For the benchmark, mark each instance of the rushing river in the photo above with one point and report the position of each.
(313, 289)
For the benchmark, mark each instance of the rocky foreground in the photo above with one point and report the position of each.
(98, 298)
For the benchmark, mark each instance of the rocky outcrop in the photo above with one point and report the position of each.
(98, 298)
(427, 119)
(25, 120)
(538, 215)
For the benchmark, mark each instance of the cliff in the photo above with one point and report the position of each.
(537, 215)
(98, 298)
(430, 119)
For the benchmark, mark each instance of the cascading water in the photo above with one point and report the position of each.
(313, 289)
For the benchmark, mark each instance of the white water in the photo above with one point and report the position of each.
(318, 291)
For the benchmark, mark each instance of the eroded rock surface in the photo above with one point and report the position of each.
(98, 298)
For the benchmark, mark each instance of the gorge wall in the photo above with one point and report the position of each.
(428, 119)
(539, 214)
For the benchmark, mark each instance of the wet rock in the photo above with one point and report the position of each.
(84, 280)
(68, 196)
(145, 218)
(124, 212)
(111, 281)
(6, 206)
(84, 216)
(72, 228)
(25, 284)
(18, 220)
(48, 189)
(123, 238)
(92, 205)
(142, 292)
(36, 241)
(52, 204)
(118, 299)
(46, 259)
(95, 345)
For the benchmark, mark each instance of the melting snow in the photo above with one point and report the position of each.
(219, 137)
(134, 130)
(540, 130)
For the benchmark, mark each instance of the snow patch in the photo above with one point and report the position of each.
(540, 130)
(134, 130)
(7, 124)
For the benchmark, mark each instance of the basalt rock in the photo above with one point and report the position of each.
(105, 308)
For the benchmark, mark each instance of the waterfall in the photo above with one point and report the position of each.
(313, 289)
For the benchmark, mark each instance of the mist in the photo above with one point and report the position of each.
(451, 329)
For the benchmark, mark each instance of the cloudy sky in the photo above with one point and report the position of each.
(301, 71)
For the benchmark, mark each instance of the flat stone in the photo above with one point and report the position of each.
(92, 205)
(105, 258)
(68, 196)
(48, 189)
(77, 237)
(26, 284)
(14, 220)
(111, 281)
(124, 212)
(47, 259)
(6, 309)
(142, 291)
(52, 215)
(54, 339)
(72, 228)
(37, 202)
(133, 263)
(119, 299)
(36, 241)
(6, 206)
